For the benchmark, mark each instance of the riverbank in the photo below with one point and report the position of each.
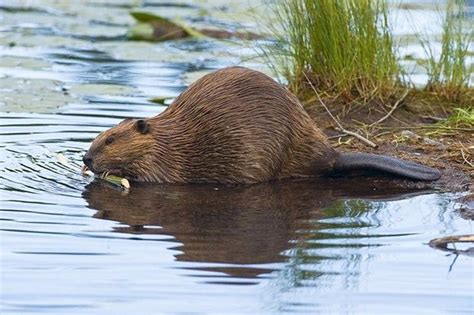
(358, 77)
(407, 134)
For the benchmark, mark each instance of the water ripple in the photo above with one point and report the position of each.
(73, 244)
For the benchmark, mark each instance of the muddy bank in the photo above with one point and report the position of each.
(456, 174)
(407, 134)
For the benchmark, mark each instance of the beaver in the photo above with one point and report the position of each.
(232, 126)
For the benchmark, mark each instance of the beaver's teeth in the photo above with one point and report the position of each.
(84, 169)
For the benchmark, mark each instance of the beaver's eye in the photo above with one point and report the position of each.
(109, 140)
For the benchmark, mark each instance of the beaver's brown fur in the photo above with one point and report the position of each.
(234, 125)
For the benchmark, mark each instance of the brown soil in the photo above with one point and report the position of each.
(408, 133)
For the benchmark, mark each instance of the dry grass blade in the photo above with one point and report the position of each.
(339, 125)
(466, 159)
(394, 107)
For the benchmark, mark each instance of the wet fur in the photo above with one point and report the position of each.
(234, 125)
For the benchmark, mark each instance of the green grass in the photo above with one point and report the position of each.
(344, 47)
(461, 118)
(448, 73)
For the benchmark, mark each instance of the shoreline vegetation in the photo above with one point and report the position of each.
(346, 50)
(340, 58)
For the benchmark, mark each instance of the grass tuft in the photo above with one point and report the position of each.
(461, 118)
(345, 47)
(449, 75)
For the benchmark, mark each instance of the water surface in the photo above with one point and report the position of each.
(70, 244)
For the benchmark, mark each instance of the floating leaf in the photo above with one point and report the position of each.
(152, 27)
(146, 17)
(62, 159)
(118, 181)
(160, 99)
(141, 31)
(113, 179)
(189, 30)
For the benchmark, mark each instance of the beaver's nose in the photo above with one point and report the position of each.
(87, 160)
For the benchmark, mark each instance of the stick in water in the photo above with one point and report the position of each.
(116, 180)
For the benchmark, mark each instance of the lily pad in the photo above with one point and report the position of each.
(152, 27)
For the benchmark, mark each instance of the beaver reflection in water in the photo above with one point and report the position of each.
(245, 225)
(234, 125)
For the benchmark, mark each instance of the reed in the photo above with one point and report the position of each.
(345, 47)
(449, 74)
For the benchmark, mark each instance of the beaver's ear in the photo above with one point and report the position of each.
(126, 120)
(142, 126)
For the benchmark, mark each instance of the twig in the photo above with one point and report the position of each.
(442, 242)
(465, 159)
(464, 156)
(382, 134)
(358, 136)
(337, 136)
(432, 117)
(339, 126)
(394, 107)
(454, 261)
(430, 127)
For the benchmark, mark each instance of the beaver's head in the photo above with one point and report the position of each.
(124, 150)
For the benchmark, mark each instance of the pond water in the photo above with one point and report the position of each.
(70, 244)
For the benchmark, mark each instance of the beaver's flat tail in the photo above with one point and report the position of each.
(367, 161)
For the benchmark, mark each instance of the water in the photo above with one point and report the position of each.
(73, 245)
